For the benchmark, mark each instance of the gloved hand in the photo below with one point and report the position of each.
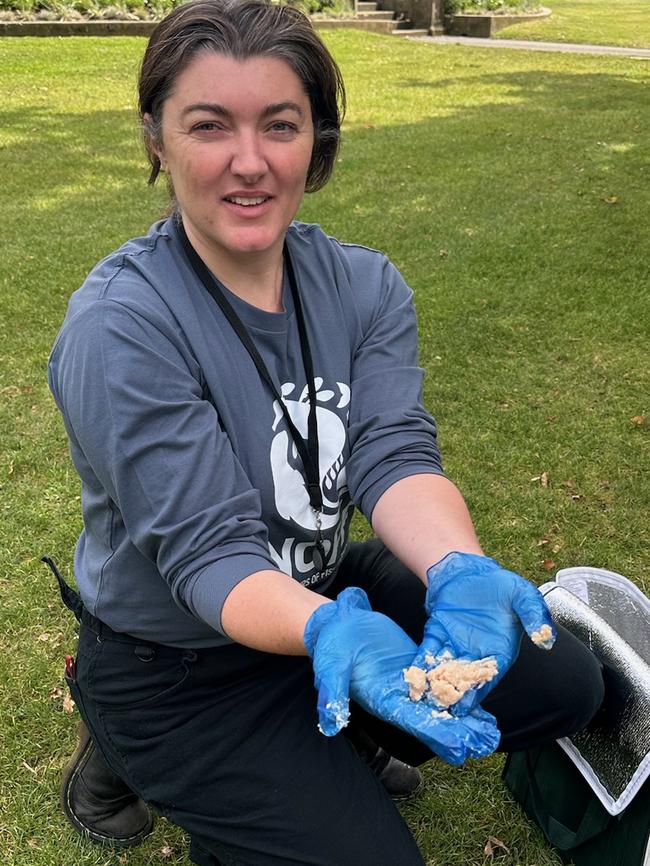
(478, 609)
(362, 654)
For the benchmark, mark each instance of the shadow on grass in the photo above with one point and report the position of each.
(547, 178)
(546, 90)
(66, 155)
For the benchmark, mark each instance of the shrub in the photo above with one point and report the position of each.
(53, 9)
(453, 7)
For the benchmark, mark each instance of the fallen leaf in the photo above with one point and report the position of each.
(557, 547)
(494, 846)
(543, 479)
(44, 637)
(55, 693)
(443, 253)
(548, 564)
(638, 419)
(541, 542)
(611, 199)
(68, 705)
(166, 851)
(368, 126)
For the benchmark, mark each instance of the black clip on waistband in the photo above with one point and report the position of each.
(70, 598)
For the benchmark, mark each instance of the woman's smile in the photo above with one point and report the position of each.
(248, 204)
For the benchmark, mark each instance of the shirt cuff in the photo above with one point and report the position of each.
(215, 582)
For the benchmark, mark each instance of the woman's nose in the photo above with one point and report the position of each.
(248, 159)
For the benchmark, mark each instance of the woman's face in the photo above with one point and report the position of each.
(237, 138)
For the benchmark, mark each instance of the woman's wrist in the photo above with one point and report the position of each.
(269, 611)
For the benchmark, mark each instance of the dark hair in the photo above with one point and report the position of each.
(243, 29)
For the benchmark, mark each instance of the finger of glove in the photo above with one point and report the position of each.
(333, 681)
(333, 713)
(457, 739)
(452, 739)
(529, 605)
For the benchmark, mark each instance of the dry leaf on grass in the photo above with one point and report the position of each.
(495, 846)
(543, 479)
(67, 704)
(166, 851)
(548, 564)
(638, 419)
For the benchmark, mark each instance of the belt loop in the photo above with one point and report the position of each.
(145, 653)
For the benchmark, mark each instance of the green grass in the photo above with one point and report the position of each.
(512, 190)
(599, 22)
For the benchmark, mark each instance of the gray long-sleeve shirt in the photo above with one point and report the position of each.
(190, 479)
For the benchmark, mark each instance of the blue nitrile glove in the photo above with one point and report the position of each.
(360, 654)
(479, 609)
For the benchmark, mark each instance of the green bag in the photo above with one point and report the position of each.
(554, 794)
(590, 793)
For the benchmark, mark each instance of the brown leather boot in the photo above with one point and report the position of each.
(98, 803)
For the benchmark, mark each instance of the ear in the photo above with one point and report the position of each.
(153, 139)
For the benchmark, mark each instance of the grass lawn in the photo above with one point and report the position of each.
(599, 22)
(512, 189)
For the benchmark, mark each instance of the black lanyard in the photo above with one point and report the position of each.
(308, 450)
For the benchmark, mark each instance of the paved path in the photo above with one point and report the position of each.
(568, 47)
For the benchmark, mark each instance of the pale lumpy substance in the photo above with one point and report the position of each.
(447, 679)
(543, 637)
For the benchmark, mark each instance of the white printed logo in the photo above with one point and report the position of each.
(291, 497)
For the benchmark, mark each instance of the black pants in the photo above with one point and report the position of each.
(224, 742)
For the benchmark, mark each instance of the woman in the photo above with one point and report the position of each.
(231, 385)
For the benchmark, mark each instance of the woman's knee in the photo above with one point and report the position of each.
(547, 695)
(580, 689)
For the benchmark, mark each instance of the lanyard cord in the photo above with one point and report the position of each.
(308, 450)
